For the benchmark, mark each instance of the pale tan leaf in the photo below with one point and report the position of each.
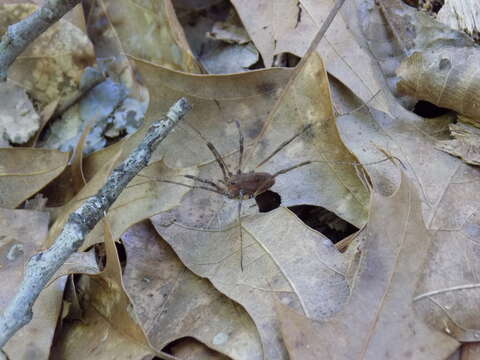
(448, 297)
(22, 233)
(379, 319)
(24, 171)
(165, 295)
(331, 181)
(78, 263)
(283, 261)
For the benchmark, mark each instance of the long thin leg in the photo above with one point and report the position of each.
(285, 143)
(283, 171)
(182, 184)
(205, 181)
(221, 163)
(240, 227)
(241, 141)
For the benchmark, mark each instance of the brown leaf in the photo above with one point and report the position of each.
(449, 193)
(379, 319)
(171, 302)
(109, 329)
(22, 233)
(283, 261)
(24, 171)
(215, 253)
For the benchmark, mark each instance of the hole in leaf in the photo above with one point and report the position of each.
(324, 221)
(268, 201)
(429, 110)
(190, 348)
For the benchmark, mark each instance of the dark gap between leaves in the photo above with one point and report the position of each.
(429, 110)
(316, 217)
(324, 221)
(101, 255)
(179, 346)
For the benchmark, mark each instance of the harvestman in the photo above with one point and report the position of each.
(242, 185)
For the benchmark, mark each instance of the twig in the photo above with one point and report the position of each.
(42, 266)
(18, 36)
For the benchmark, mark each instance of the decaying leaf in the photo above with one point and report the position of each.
(22, 233)
(51, 66)
(465, 145)
(417, 31)
(172, 303)
(18, 118)
(461, 15)
(109, 329)
(379, 320)
(24, 171)
(446, 77)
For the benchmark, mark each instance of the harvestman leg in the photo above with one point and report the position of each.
(223, 166)
(205, 181)
(241, 141)
(240, 227)
(221, 192)
(285, 143)
(283, 171)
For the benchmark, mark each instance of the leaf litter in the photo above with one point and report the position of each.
(446, 297)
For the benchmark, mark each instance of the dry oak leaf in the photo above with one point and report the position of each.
(378, 320)
(450, 194)
(109, 328)
(247, 98)
(465, 143)
(22, 233)
(24, 171)
(172, 303)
